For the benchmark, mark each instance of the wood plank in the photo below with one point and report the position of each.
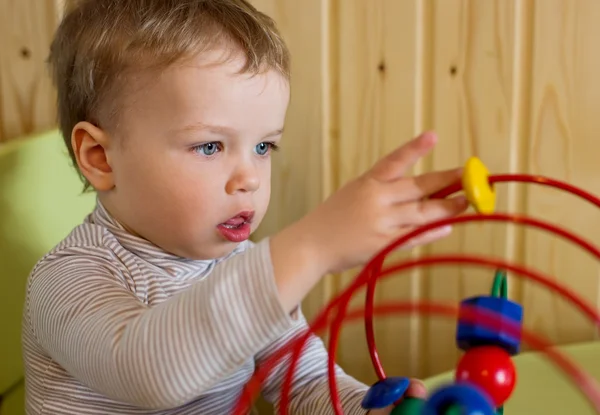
(475, 107)
(564, 139)
(27, 99)
(379, 97)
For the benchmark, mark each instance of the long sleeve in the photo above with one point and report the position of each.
(83, 315)
(310, 387)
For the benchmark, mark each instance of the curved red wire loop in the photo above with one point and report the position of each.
(526, 178)
(521, 178)
(587, 385)
(373, 272)
(375, 265)
(518, 270)
(296, 345)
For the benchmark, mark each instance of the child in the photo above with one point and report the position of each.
(158, 303)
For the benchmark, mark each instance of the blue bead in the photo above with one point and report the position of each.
(385, 392)
(470, 399)
(470, 335)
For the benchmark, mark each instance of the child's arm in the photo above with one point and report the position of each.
(83, 315)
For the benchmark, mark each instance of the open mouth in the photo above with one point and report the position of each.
(237, 229)
(238, 221)
(232, 226)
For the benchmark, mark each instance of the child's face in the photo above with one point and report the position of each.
(192, 152)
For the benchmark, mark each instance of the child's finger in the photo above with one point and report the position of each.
(426, 184)
(426, 211)
(395, 164)
(426, 237)
(417, 389)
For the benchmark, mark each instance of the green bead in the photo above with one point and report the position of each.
(453, 410)
(409, 406)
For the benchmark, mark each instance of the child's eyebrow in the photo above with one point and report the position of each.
(200, 126)
(275, 133)
(221, 129)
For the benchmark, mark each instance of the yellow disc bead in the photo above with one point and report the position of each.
(477, 187)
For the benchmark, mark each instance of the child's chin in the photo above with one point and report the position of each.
(212, 251)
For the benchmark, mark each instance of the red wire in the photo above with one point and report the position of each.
(375, 264)
(586, 384)
(523, 178)
(372, 272)
(526, 178)
(296, 345)
(520, 271)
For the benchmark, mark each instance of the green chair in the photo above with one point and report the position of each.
(41, 200)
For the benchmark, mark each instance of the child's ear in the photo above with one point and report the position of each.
(90, 145)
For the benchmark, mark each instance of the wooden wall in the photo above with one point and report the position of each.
(511, 81)
(514, 82)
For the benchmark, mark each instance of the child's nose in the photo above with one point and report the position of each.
(243, 179)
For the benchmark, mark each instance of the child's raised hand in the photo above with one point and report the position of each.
(378, 207)
(362, 218)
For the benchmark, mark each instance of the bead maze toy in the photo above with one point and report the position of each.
(489, 327)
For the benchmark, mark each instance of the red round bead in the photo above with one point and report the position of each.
(491, 368)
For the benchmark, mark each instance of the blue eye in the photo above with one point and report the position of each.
(264, 147)
(207, 149)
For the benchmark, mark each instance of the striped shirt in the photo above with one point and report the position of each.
(115, 325)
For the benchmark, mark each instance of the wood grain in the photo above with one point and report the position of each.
(380, 93)
(564, 129)
(26, 94)
(476, 63)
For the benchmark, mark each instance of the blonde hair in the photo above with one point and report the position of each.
(100, 42)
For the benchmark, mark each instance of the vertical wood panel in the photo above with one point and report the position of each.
(472, 105)
(379, 109)
(26, 95)
(564, 138)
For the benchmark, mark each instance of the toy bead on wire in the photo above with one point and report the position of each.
(487, 350)
(487, 362)
(476, 185)
(485, 375)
